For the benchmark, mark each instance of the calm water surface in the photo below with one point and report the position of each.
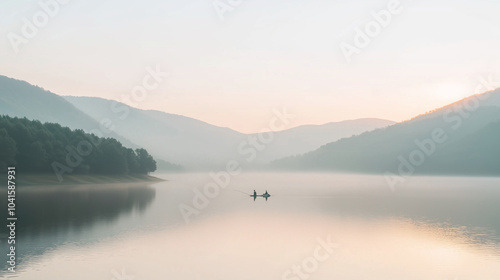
(314, 226)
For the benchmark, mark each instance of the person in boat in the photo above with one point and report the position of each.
(266, 194)
(254, 193)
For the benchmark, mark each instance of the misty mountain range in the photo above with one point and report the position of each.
(462, 138)
(170, 138)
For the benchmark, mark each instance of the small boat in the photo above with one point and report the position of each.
(260, 195)
(266, 195)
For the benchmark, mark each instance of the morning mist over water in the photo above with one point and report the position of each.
(353, 219)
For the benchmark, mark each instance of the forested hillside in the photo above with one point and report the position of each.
(34, 147)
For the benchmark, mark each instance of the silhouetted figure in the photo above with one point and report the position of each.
(266, 195)
(254, 193)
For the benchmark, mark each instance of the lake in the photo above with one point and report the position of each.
(314, 226)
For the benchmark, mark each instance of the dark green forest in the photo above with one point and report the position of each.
(35, 147)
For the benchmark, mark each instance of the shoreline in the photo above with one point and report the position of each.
(79, 179)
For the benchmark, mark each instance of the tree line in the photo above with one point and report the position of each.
(34, 147)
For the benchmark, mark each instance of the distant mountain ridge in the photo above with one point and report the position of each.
(180, 140)
(21, 99)
(305, 138)
(465, 125)
(198, 144)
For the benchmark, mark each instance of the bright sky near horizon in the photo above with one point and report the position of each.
(234, 67)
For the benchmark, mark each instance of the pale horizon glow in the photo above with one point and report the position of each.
(263, 56)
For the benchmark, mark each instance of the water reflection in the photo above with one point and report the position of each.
(430, 228)
(50, 217)
(252, 246)
(66, 209)
(476, 213)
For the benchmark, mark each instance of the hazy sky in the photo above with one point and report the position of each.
(262, 55)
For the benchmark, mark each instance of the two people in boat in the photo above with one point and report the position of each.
(265, 194)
